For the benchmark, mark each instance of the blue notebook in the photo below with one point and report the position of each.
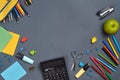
(14, 72)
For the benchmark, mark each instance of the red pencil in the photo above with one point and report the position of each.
(107, 69)
(110, 54)
(103, 76)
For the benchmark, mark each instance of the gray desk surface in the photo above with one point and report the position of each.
(56, 27)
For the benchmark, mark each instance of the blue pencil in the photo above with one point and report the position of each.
(107, 45)
(99, 59)
(116, 43)
(16, 12)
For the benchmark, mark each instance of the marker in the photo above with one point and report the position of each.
(107, 60)
(107, 69)
(109, 48)
(111, 45)
(24, 58)
(99, 59)
(82, 70)
(116, 43)
(97, 65)
(110, 54)
(103, 76)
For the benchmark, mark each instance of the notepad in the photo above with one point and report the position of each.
(12, 44)
(5, 37)
(14, 72)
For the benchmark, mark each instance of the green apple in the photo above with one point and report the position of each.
(111, 26)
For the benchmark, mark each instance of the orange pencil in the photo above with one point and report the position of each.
(110, 54)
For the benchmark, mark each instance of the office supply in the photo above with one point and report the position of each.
(109, 48)
(5, 37)
(112, 47)
(28, 2)
(111, 68)
(26, 12)
(105, 12)
(116, 43)
(107, 74)
(82, 71)
(110, 54)
(20, 9)
(15, 16)
(24, 58)
(107, 69)
(14, 72)
(11, 46)
(54, 69)
(74, 55)
(5, 7)
(102, 56)
(103, 76)
(92, 59)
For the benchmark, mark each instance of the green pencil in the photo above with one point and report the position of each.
(102, 56)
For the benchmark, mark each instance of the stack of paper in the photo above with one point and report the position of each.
(8, 41)
(14, 72)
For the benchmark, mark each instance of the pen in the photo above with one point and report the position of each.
(116, 43)
(24, 58)
(110, 54)
(99, 59)
(111, 45)
(103, 76)
(97, 65)
(102, 56)
(109, 48)
(108, 70)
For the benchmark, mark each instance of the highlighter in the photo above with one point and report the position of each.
(24, 58)
(82, 70)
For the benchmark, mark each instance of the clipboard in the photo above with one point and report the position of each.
(5, 7)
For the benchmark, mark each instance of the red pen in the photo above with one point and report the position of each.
(97, 65)
(108, 70)
(103, 76)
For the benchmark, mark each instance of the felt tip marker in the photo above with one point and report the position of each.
(24, 58)
(82, 70)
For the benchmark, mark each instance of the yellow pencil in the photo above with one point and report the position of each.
(111, 45)
(21, 10)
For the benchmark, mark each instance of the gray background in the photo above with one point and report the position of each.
(56, 27)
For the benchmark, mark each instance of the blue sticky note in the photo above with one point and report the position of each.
(14, 72)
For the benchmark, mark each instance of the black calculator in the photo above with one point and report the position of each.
(54, 69)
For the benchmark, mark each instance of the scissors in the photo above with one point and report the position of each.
(74, 56)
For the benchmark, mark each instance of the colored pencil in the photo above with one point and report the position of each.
(111, 45)
(92, 59)
(110, 54)
(116, 43)
(107, 69)
(109, 48)
(15, 16)
(111, 68)
(20, 9)
(107, 60)
(26, 12)
(103, 76)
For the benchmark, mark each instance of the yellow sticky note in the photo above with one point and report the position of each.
(12, 44)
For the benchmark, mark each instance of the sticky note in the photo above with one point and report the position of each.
(11, 46)
(5, 37)
(14, 72)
